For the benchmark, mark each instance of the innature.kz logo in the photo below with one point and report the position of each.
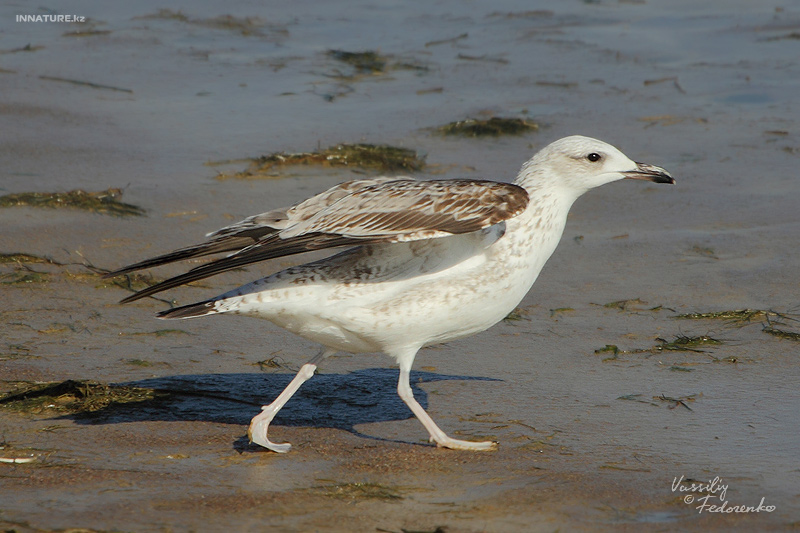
(50, 18)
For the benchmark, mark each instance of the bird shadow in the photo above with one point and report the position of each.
(339, 401)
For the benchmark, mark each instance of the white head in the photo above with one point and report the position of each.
(575, 164)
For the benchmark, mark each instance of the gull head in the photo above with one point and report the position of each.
(577, 164)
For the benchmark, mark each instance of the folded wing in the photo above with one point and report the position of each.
(378, 210)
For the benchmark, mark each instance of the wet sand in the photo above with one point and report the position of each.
(589, 439)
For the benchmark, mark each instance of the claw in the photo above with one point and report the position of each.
(257, 432)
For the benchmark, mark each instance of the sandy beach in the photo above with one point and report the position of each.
(648, 382)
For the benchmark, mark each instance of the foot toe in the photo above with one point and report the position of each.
(257, 433)
(455, 444)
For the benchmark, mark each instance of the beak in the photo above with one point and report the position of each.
(649, 173)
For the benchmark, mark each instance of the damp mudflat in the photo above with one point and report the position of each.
(657, 351)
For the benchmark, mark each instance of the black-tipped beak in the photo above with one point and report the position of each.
(649, 173)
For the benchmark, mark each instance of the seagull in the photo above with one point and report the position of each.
(420, 262)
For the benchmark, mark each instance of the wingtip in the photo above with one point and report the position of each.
(129, 299)
(114, 273)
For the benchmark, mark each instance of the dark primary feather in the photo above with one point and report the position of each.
(224, 244)
(351, 214)
(272, 248)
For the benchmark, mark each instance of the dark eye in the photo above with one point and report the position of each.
(594, 157)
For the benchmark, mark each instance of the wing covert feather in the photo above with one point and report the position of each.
(377, 210)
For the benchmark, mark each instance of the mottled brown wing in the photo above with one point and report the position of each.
(409, 210)
(392, 211)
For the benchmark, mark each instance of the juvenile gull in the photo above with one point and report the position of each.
(426, 261)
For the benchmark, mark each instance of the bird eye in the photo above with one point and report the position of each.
(594, 157)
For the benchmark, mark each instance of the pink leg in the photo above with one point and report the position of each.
(260, 423)
(437, 435)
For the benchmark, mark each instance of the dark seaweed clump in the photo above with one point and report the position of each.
(106, 202)
(681, 343)
(368, 62)
(73, 397)
(493, 127)
(378, 157)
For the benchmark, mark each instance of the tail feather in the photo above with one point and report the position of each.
(189, 311)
